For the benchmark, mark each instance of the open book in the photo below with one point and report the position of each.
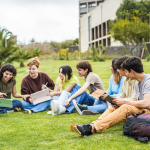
(40, 96)
(98, 93)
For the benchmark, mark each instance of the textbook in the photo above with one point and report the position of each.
(4, 102)
(40, 96)
(98, 93)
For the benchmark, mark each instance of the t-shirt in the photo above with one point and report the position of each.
(95, 82)
(7, 88)
(73, 79)
(143, 87)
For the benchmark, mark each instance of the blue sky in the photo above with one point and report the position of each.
(43, 20)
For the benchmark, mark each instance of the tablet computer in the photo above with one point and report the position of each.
(4, 102)
(109, 98)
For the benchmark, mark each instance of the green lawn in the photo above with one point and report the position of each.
(42, 131)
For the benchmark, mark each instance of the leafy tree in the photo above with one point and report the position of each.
(147, 52)
(75, 41)
(55, 45)
(94, 54)
(101, 49)
(130, 32)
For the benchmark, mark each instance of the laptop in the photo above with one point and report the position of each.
(4, 102)
(40, 96)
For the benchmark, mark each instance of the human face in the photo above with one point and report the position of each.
(130, 74)
(7, 75)
(60, 74)
(33, 71)
(121, 72)
(111, 69)
(82, 72)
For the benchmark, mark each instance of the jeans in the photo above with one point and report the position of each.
(38, 107)
(15, 103)
(98, 106)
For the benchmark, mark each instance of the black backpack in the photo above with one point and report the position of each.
(138, 126)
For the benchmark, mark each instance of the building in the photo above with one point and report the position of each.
(93, 23)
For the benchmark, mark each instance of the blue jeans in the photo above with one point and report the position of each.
(15, 103)
(84, 98)
(98, 106)
(38, 107)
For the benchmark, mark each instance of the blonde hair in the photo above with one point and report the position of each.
(34, 61)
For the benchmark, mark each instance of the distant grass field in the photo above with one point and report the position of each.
(40, 131)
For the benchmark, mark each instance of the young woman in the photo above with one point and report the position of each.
(92, 82)
(8, 87)
(115, 85)
(32, 83)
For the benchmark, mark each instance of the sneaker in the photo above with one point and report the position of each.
(49, 112)
(10, 111)
(88, 112)
(79, 107)
(28, 111)
(72, 127)
(83, 129)
(16, 109)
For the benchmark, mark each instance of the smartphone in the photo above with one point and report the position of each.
(109, 98)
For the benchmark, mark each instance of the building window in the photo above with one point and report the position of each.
(107, 27)
(90, 34)
(100, 35)
(83, 5)
(96, 30)
(92, 4)
(93, 34)
(82, 14)
(104, 29)
(104, 42)
(109, 41)
(97, 44)
(100, 42)
(99, 2)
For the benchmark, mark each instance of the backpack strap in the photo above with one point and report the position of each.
(136, 115)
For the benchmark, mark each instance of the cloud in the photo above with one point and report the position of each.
(50, 20)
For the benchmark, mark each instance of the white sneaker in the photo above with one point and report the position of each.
(62, 109)
(28, 111)
(49, 112)
(10, 111)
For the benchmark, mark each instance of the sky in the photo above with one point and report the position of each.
(43, 20)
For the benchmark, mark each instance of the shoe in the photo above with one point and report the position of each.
(16, 109)
(72, 127)
(57, 109)
(88, 112)
(79, 107)
(83, 129)
(10, 111)
(49, 112)
(28, 111)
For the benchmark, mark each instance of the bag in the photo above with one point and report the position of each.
(138, 126)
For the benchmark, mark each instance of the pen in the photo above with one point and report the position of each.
(46, 83)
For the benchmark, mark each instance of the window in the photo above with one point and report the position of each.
(83, 5)
(99, 2)
(92, 4)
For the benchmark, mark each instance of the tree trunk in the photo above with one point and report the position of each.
(21, 64)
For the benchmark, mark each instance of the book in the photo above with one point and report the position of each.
(40, 96)
(98, 93)
(4, 102)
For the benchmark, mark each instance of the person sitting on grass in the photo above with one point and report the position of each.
(32, 83)
(115, 85)
(65, 83)
(113, 115)
(92, 82)
(8, 87)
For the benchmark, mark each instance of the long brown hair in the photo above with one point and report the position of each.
(116, 74)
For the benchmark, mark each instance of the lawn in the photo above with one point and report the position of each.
(42, 131)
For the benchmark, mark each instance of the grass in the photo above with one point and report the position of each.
(40, 131)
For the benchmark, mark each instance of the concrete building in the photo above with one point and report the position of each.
(93, 25)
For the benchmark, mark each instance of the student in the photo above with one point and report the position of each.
(134, 70)
(64, 85)
(32, 83)
(8, 87)
(115, 85)
(92, 82)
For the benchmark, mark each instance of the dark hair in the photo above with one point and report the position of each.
(84, 65)
(116, 74)
(66, 71)
(119, 62)
(133, 63)
(10, 68)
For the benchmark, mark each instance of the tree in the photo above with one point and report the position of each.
(8, 48)
(101, 49)
(55, 45)
(75, 41)
(130, 32)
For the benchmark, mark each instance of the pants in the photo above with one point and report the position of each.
(113, 116)
(15, 103)
(98, 106)
(84, 98)
(38, 107)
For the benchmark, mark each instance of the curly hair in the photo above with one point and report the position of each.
(34, 61)
(10, 68)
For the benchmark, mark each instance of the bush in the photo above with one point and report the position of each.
(101, 59)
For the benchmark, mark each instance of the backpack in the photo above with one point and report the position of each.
(138, 126)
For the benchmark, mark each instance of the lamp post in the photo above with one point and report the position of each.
(149, 25)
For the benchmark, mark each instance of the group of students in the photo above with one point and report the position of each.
(128, 85)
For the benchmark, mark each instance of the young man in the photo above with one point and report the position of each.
(134, 70)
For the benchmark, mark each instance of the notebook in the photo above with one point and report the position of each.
(40, 96)
(4, 102)
(98, 93)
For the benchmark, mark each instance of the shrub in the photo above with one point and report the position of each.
(101, 59)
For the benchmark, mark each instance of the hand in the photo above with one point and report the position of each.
(104, 96)
(115, 106)
(1, 94)
(25, 96)
(67, 103)
(31, 100)
(43, 86)
(52, 94)
(119, 101)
